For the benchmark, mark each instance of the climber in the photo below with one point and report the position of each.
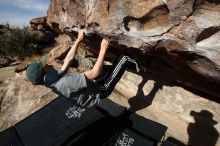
(84, 87)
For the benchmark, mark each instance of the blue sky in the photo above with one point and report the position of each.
(20, 12)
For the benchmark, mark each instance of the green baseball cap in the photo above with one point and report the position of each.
(34, 70)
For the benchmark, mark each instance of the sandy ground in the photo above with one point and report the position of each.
(7, 72)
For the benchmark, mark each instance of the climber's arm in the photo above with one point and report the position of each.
(97, 69)
(72, 52)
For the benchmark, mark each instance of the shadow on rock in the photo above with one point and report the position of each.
(202, 132)
(141, 101)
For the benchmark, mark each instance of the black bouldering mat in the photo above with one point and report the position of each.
(148, 128)
(65, 123)
(56, 120)
(111, 107)
(108, 132)
(168, 143)
(9, 137)
(118, 128)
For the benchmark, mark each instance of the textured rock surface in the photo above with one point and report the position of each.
(5, 61)
(16, 102)
(190, 118)
(7, 72)
(63, 44)
(176, 40)
(181, 36)
(39, 23)
(40, 27)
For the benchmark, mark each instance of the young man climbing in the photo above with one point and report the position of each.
(81, 87)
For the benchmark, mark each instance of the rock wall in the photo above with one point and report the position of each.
(191, 119)
(178, 43)
(175, 39)
(19, 99)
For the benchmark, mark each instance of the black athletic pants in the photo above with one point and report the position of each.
(114, 74)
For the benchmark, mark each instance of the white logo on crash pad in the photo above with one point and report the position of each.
(74, 112)
(124, 140)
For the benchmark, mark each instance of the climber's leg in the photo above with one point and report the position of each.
(109, 81)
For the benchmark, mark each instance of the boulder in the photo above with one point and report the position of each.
(178, 36)
(39, 20)
(39, 24)
(40, 27)
(63, 45)
(176, 40)
(44, 37)
(4, 29)
(22, 67)
(190, 118)
(7, 72)
(17, 102)
(5, 61)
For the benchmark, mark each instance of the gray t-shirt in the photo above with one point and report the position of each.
(73, 86)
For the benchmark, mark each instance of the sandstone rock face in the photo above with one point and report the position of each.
(63, 45)
(190, 118)
(7, 72)
(19, 98)
(180, 38)
(5, 61)
(39, 23)
(176, 40)
(40, 27)
(178, 43)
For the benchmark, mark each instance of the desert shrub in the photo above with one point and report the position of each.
(18, 42)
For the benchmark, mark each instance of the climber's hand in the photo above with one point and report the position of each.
(80, 35)
(105, 44)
